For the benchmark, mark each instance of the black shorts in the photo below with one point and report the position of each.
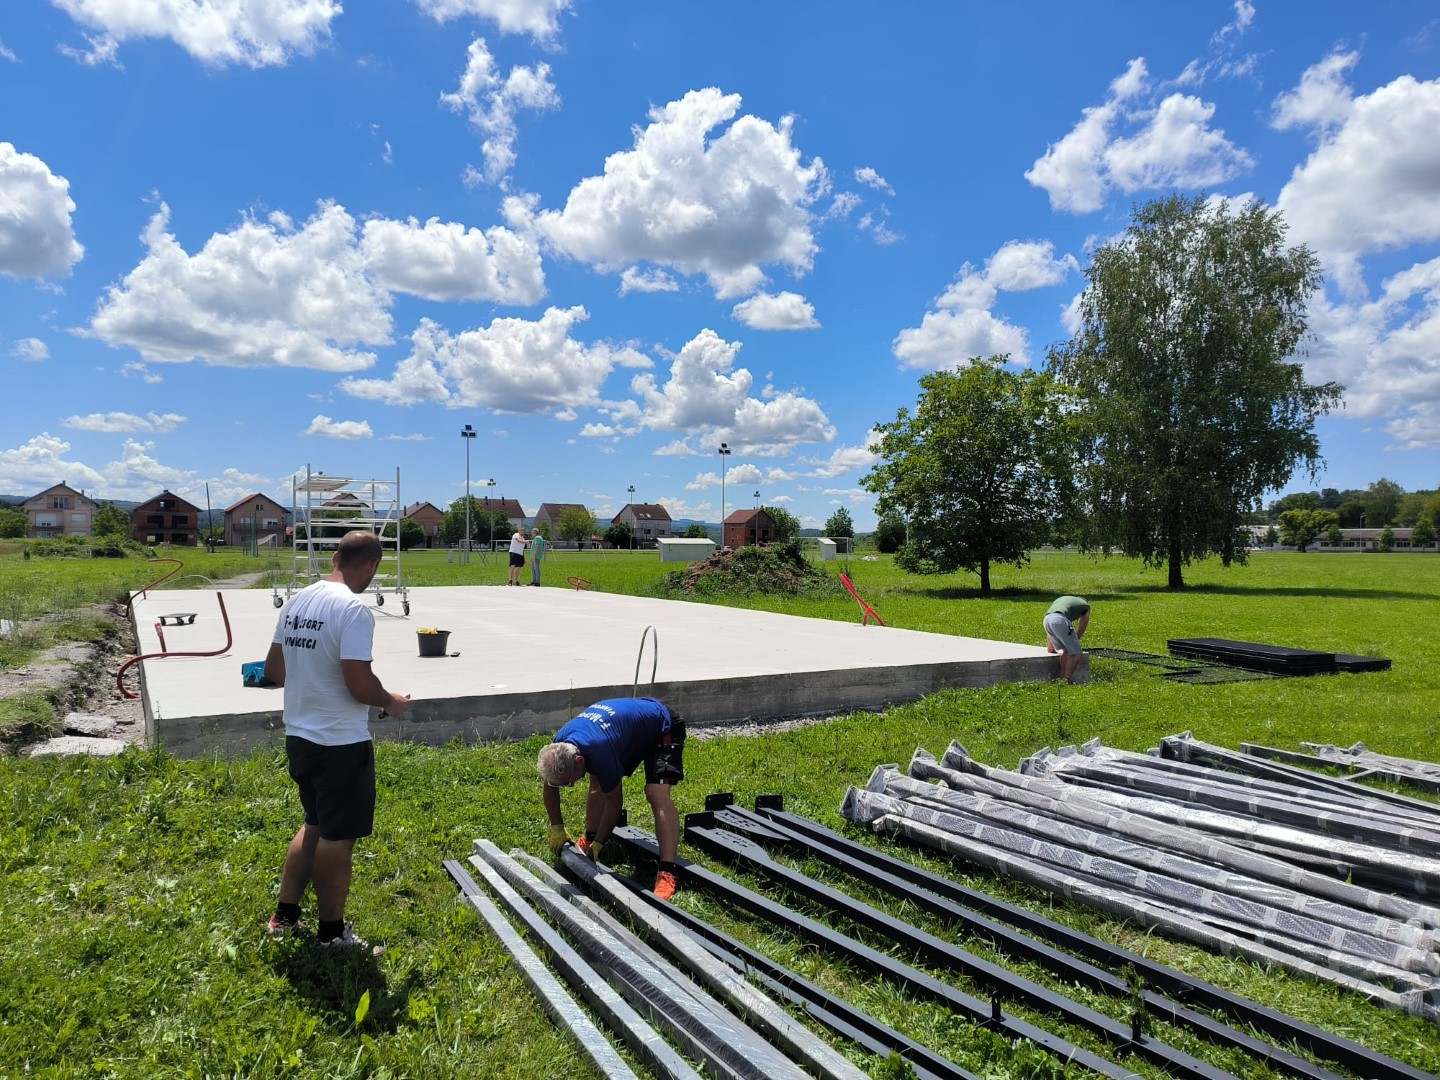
(517, 560)
(337, 786)
(665, 763)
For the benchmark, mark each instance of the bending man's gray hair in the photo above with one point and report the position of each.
(555, 761)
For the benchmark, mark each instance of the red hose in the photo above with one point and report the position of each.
(178, 567)
(229, 640)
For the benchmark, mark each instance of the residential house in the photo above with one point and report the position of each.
(549, 514)
(511, 508)
(166, 519)
(748, 528)
(256, 520)
(60, 510)
(650, 521)
(429, 517)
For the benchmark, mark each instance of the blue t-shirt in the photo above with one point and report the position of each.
(615, 735)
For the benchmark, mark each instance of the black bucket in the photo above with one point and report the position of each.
(436, 644)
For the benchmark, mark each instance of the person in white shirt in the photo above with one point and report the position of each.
(518, 544)
(321, 654)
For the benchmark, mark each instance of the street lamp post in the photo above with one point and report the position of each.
(757, 519)
(490, 513)
(633, 514)
(724, 460)
(467, 433)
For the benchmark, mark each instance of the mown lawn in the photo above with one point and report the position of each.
(132, 890)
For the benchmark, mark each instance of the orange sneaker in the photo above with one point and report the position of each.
(665, 885)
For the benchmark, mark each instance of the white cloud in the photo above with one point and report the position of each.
(538, 18)
(870, 177)
(491, 102)
(407, 438)
(36, 237)
(1369, 186)
(781, 311)
(675, 448)
(514, 365)
(845, 459)
(40, 463)
(1323, 98)
(878, 228)
(597, 431)
(6, 54)
(964, 327)
(447, 261)
(339, 429)
(633, 279)
(842, 205)
(217, 32)
(136, 370)
(31, 350)
(127, 422)
(1172, 145)
(700, 203)
(271, 294)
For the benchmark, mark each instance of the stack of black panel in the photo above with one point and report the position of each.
(1275, 659)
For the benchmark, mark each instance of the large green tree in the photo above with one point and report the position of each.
(110, 520)
(14, 522)
(981, 471)
(839, 524)
(484, 524)
(1183, 359)
(787, 525)
(890, 532)
(577, 523)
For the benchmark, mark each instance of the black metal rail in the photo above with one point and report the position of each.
(987, 1013)
(1021, 946)
(822, 1006)
(1277, 1025)
(702, 830)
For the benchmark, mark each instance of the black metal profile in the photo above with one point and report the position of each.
(822, 1006)
(1277, 1025)
(986, 1013)
(723, 844)
(1021, 946)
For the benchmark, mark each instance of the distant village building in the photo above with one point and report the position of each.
(650, 522)
(550, 514)
(1350, 539)
(748, 528)
(166, 519)
(60, 510)
(429, 517)
(255, 521)
(511, 508)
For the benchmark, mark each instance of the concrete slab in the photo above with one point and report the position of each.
(530, 658)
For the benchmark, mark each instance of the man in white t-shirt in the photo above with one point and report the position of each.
(518, 543)
(321, 655)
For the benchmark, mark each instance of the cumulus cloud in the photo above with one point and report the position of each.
(1323, 98)
(633, 279)
(339, 429)
(871, 178)
(258, 33)
(36, 237)
(705, 392)
(43, 461)
(847, 459)
(1369, 184)
(110, 422)
(136, 370)
(538, 18)
(1170, 144)
(31, 350)
(491, 101)
(447, 261)
(781, 311)
(963, 326)
(513, 365)
(684, 197)
(270, 293)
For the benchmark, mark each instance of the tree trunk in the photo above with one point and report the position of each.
(984, 575)
(1176, 581)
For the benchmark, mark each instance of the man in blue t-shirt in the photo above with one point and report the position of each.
(609, 741)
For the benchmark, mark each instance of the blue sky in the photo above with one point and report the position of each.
(238, 237)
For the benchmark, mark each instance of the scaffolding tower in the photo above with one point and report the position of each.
(324, 508)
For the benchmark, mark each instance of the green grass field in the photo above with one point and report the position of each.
(132, 890)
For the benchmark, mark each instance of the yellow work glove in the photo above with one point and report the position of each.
(595, 846)
(558, 838)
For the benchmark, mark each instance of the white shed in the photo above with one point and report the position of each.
(827, 549)
(681, 549)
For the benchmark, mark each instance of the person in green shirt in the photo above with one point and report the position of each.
(537, 552)
(1065, 625)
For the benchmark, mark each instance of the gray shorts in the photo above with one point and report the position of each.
(1061, 631)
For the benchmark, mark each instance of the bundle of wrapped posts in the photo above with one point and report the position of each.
(1329, 884)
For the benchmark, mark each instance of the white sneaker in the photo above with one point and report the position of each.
(348, 939)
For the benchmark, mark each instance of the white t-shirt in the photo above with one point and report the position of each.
(321, 625)
(517, 544)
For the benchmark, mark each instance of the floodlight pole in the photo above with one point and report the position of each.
(633, 515)
(467, 433)
(757, 519)
(724, 461)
